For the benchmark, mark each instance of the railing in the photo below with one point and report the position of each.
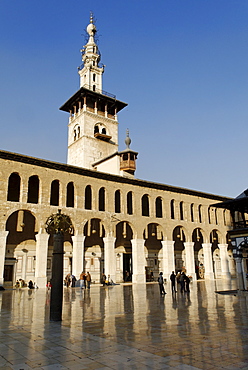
(100, 91)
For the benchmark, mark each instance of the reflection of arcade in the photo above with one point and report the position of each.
(127, 266)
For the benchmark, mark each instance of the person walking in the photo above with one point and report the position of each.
(88, 279)
(173, 282)
(161, 283)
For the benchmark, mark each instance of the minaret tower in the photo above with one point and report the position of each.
(91, 73)
(93, 123)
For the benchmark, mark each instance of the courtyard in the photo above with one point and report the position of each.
(126, 326)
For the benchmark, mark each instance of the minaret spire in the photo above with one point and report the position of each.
(91, 72)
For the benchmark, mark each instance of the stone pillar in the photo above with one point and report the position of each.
(41, 259)
(109, 257)
(190, 259)
(208, 260)
(78, 255)
(3, 238)
(138, 260)
(168, 258)
(224, 261)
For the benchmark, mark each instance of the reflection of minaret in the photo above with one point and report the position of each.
(128, 157)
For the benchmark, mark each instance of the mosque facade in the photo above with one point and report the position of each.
(124, 227)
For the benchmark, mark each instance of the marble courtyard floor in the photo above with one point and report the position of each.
(126, 327)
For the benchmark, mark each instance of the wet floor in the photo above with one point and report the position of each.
(126, 326)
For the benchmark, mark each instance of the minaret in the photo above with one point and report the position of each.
(93, 123)
(128, 157)
(90, 72)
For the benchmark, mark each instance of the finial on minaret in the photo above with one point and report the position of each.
(91, 17)
(127, 140)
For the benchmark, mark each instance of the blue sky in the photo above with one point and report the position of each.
(181, 65)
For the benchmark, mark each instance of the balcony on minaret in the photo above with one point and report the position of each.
(128, 161)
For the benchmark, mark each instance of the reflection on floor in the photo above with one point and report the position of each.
(126, 327)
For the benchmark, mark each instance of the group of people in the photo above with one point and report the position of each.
(70, 281)
(21, 284)
(85, 280)
(181, 278)
(106, 280)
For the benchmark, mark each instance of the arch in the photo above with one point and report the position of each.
(88, 197)
(101, 199)
(159, 207)
(33, 189)
(14, 184)
(172, 209)
(153, 236)
(145, 205)
(130, 203)
(70, 195)
(54, 194)
(179, 237)
(117, 201)
(123, 248)
(96, 129)
(198, 240)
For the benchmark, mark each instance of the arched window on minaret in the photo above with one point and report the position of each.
(145, 205)
(159, 210)
(117, 201)
(101, 200)
(129, 203)
(88, 197)
(14, 188)
(70, 195)
(33, 189)
(96, 129)
(54, 195)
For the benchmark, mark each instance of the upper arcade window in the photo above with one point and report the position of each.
(100, 132)
(33, 189)
(14, 188)
(145, 205)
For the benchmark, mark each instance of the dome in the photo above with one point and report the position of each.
(91, 29)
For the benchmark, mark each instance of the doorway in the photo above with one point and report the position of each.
(127, 267)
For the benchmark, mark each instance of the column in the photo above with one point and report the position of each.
(109, 257)
(224, 261)
(138, 260)
(41, 259)
(208, 260)
(240, 276)
(168, 258)
(190, 259)
(78, 255)
(3, 238)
